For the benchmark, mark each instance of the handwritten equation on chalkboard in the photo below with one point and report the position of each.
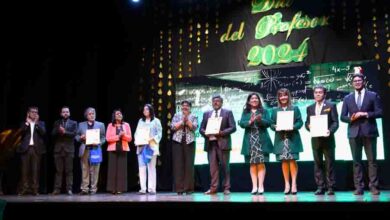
(294, 79)
(337, 76)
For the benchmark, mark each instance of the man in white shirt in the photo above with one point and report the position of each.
(31, 149)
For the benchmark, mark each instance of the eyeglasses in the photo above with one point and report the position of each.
(359, 80)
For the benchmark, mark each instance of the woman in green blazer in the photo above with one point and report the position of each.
(257, 144)
(287, 144)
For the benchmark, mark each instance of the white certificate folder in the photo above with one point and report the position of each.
(213, 125)
(92, 136)
(319, 125)
(285, 120)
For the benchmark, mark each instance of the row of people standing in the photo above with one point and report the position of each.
(360, 110)
(65, 131)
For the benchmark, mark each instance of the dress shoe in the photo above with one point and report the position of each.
(119, 192)
(358, 192)
(374, 191)
(35, 193)
(319, 192)
(56, 192)
(294, 190)
(210, 192)
(142, 192)
(69, 192)
(92, 193)
(226, 192)
(189, 193)
(287, 190)
(330, 192)
(179, 193)
(83, 193)
(152, 192)
(254, 191)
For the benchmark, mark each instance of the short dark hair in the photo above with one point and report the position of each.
(217, 97)
(320, 86)
(361, 76)
(186, 102)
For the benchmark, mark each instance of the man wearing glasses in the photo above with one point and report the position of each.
(31, 148)
(360, 110)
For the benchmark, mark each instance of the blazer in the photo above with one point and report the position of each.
(329, 109)
(371, 104)
(228, 126)
(64, 142)
(293, 136)
(264, 138)
(112, 137)
(82, 128)
(155, 134)
(38, 137)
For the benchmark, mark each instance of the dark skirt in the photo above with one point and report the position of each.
(117, 171)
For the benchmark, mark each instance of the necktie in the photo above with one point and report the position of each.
(359, 100)
(216, 113)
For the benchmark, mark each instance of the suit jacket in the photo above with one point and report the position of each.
(112, 137)
(38, 137)
(294, 137)
(228, 126)
(264, 138)
(327, 109)
(367, 126)
(82, 128)
(64, 142)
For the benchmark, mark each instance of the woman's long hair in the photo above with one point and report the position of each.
(284, 91)
(113, 121)
(248, 107)
(151, 112)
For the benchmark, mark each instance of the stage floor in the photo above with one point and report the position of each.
(275, 197)
(172, 206)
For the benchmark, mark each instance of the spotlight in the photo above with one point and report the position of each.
(135, 1)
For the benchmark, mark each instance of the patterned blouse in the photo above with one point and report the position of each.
(189, 134)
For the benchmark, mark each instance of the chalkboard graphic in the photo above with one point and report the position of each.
(234, 87)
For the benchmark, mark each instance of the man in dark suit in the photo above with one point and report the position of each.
(360, 110)
(218, 146)
(64, 131)
(31, 148)
(323, 146)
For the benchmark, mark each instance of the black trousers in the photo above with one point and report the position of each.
(324, 175)
(30, 170)
(117, 171)
(64, 163)
(217, 157)
(183, 156)
(369, 145)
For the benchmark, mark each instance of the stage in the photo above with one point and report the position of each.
(165, 204)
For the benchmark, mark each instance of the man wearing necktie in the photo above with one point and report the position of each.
(360, 110)
(218, 146)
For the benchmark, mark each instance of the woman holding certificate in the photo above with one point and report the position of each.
(286, 121)
(257, 144)
(118, 138)
(147, 138)
(184, 125)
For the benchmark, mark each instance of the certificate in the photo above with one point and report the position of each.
(142, 137)
(213, 125)
(319, 126)
(285, 120)
(92, 136)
